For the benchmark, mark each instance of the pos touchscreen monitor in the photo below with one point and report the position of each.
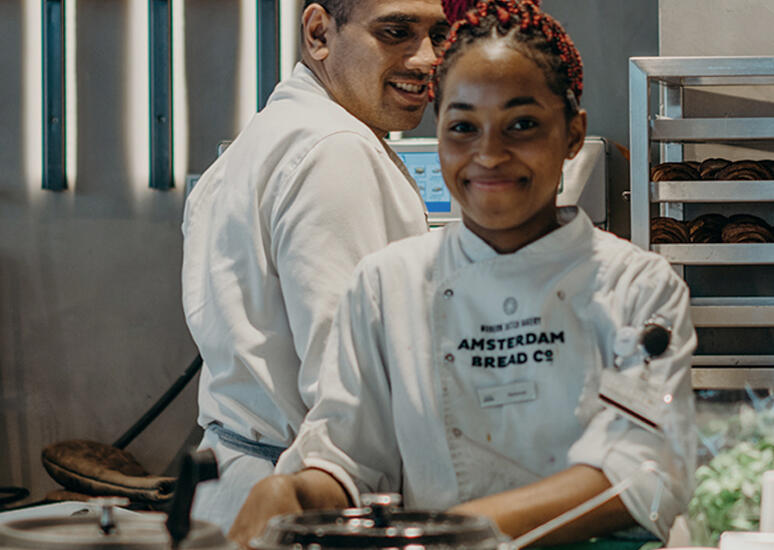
(421, 159)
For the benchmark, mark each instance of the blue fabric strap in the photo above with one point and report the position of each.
(247, 446)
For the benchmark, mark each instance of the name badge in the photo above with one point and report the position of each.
(518, 392)
(634, 398)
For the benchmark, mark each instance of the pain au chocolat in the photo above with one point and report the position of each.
(707, 228)
(744, 170)
(668, 231)
(674, 171)
(709, 167)
(746, 228)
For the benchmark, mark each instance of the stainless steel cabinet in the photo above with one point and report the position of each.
(659, 133)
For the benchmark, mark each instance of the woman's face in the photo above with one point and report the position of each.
(503, 138)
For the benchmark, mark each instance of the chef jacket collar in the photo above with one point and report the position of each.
(303, 76)
(574, 225)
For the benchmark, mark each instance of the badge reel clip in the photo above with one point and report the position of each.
(627, 387)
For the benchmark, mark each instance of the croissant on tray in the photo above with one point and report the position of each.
(707, 228)
(674, 171)
(709, 167)
(713, 169)
(668, 231)
(740, 232)
(744, 170)
(712, 228)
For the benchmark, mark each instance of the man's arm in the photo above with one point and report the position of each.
(343, 203)
(285, 494)
(520, 510)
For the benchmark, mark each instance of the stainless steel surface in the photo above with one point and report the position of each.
(712, 191)
(84, 533)
(107, 522)
(639, 144)
(732, 312)
(658, 135)
(712, 129)
(742, 70)
(733, 379)
(671, 106)
(717, 254)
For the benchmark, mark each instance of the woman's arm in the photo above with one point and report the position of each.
(286, 494)
(520, 510)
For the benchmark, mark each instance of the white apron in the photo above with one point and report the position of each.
(511, 361)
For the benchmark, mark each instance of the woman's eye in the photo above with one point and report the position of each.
(523, 124)
(462, 128)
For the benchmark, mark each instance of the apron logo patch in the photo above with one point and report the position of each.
(510, 305)
(546, 343)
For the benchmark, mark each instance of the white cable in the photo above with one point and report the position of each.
(572, 514)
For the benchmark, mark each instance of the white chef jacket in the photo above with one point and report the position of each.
(273, 231)
(453, 372)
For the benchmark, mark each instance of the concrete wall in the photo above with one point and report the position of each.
(91, 327)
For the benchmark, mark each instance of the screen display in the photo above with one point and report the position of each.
(426, 170)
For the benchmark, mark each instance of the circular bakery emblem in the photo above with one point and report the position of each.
(510, 305)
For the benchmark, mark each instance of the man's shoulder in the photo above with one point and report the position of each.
(308, 113)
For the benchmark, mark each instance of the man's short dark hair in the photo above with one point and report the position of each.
(339, 9)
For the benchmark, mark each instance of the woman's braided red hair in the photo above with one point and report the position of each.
(523, 16)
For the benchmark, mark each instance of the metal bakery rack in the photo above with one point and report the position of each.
(660, 130)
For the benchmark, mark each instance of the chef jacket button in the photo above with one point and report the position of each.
(448, 293)
(456, 432)
(560, 294)
(449, 358)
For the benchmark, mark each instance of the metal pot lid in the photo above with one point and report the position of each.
(85, 533)
(379, 525)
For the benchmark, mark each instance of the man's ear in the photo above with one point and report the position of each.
(577, 133)
(317, 26)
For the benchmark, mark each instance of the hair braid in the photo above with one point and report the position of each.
(536, 34)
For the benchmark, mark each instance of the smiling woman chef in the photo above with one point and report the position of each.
(464, 366)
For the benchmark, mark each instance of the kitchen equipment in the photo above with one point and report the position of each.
(104, 530)
(380, 524)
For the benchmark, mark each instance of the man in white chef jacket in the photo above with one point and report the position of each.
(274, 228)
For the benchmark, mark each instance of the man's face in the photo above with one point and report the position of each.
(379, 61)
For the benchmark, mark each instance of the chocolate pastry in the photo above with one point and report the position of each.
(693, 164)
(709, 167)
(749, 218)
(743, 170)
(746, 233)
(707, 228)
(768, 164)
(668, 231)
(674, 171)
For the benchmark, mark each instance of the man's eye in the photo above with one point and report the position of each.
(395, 33)
(438, 37)
(523, 124)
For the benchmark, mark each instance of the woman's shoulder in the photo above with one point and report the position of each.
(621, 256)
